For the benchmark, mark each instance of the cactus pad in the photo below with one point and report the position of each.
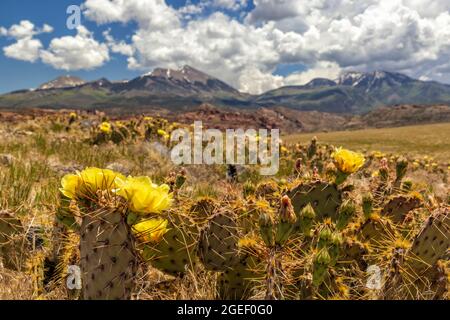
(218, 243)
(432, 242)
(376, 229)
(108, 261)
(202, 209)
(177, 250)
(324, 198)
(237, 283)
(398, 207)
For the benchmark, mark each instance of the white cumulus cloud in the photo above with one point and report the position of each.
(322, 69)
(26, 47)
(150, 14)
(229, 4)
(76, 52)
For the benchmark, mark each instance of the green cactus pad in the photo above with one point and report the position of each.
(432, 242)
(237, 283)
(202, 209)
(218, 243)
(176, 252)
(108, 261)
(398, 207)
(376, 230)
(324, 198)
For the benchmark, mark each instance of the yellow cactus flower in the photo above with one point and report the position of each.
(73, 115)
(150, 231)
(105, 127)
(99, 179)
(88, 182)
(348, 161)
(162, 133)
(148, 118)
(70, 185)
(144, 196)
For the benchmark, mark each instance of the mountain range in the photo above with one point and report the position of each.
(351, 93)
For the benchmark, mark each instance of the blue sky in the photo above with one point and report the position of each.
(16, 74)
(255, 45)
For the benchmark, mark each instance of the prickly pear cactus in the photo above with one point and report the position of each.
(108, 258)
(324, 198)
(218, 242)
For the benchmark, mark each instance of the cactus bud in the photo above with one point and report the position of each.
(287, 213)
(287, 221)
(322, 258)
(335, 247)
(346, 212)
(325, 237)
(320, 266)
(306, 219)
(308, 212)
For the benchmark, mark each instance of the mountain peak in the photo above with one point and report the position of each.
(320, 82)
(374, 79)
(185, 74)
(66, 81)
